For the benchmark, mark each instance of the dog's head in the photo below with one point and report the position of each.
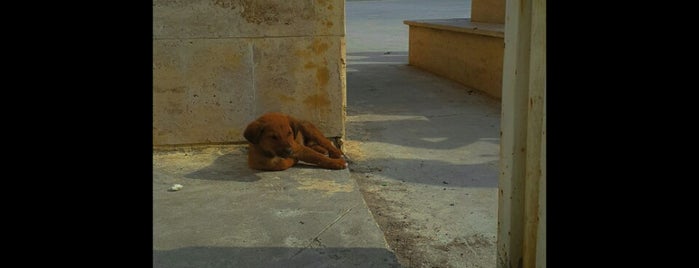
(274, 133)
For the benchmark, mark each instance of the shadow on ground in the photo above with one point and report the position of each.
(435, 132)
(432, 172)
(388, 57)
(413, 126)
(273, 257)
(228, 167)
(233, 167)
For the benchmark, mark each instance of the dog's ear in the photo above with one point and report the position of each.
(254, 131)
(295, 124)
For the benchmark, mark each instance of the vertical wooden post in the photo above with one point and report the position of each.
(541, 233)
(535, 127)
(521, 193)
(513, 134)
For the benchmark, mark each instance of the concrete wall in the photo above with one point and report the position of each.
(471, 59)
(490, 11)
(219, 64)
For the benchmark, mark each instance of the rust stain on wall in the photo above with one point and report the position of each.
(316, 48)
(319, 47)
(325, 3)
(286, 99)
(317, 100)
(322, 76)
(309, 65)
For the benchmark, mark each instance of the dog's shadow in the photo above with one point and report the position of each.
(228, 167)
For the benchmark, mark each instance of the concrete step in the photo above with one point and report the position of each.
(228, 215)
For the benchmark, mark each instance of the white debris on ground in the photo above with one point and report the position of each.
(175, 187)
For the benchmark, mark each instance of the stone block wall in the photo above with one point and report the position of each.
(219, 64)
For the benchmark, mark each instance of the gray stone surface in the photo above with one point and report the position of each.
(425, 153)
(227, 215)
(425, 149)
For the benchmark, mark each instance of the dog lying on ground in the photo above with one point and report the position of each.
(278, 141)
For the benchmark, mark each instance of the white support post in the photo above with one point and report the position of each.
(513, 127)
(522, 182)
(535, 134)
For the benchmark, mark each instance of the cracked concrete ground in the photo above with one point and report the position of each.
(425, 155)
(228, 215)
(425, 149)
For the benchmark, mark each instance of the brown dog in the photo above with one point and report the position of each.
(278, 141)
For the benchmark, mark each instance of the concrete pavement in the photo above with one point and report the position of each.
(426, 157)
(227, 215)
(425, 149)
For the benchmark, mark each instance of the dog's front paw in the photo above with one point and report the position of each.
(335, 163)
(332, 154)
(347, 158)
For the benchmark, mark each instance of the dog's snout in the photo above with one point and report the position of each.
(285, 152)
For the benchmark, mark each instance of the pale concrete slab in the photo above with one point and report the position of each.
(426, 157)
(227, 215)
(425, 149)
